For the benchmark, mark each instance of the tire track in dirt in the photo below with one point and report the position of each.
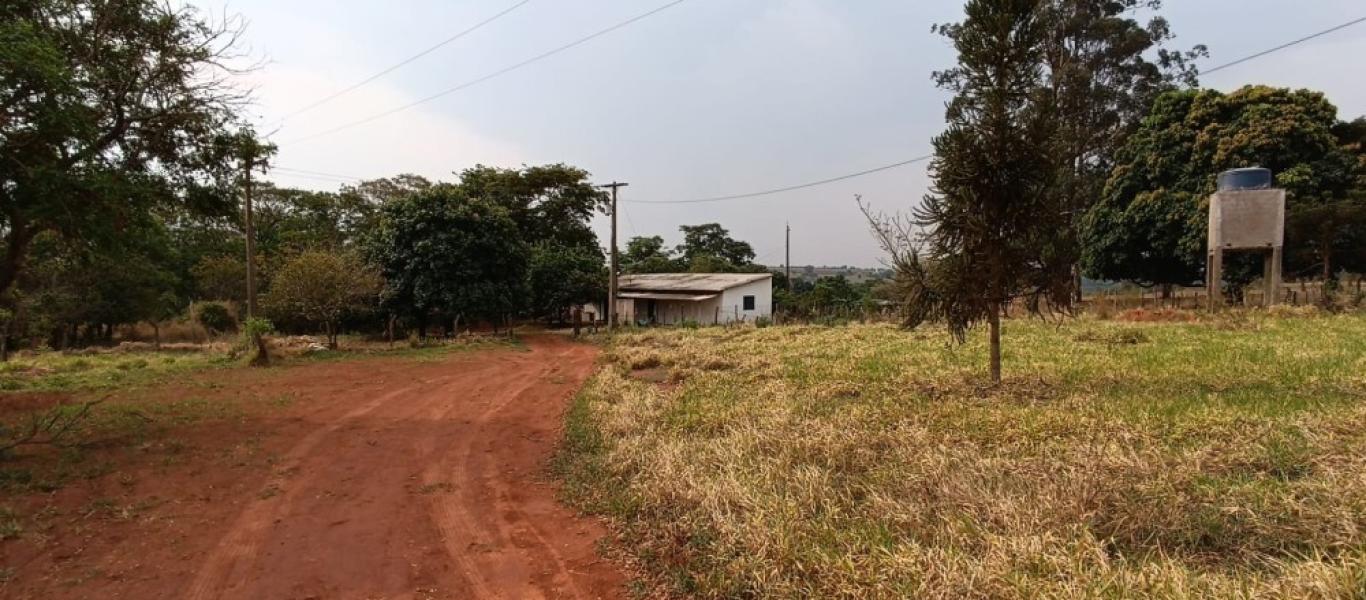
(432, 490)
(507, 556)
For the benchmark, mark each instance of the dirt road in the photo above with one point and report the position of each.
(402, 479)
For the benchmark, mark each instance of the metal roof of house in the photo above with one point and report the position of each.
(687, 282)
(679, 296)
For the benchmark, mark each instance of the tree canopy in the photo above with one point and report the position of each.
(446, 255)
(112, 110)
(322, 287)
(1103, 69)
(706, 248)
(1150, 225)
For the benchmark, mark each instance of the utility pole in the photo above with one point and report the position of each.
(787, 257)
(249, 164)
(612, 277)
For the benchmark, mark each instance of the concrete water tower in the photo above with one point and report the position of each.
(1246, 214)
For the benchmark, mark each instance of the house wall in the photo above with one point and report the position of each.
(732, 301)
(668, 312)
(725, 308)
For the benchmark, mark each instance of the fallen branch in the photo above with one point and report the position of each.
(48, 428)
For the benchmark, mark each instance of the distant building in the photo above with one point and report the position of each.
(703, 298)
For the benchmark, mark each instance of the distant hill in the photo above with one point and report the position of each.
(853, 274)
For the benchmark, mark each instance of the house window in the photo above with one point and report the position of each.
(749, 302)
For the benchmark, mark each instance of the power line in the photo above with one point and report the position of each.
(505, 70)
(499, 72)
(289, 171)
(1285, 45)
(276, 174)
(403, 62)
(923, 158)
(788, 188)
(629, 222)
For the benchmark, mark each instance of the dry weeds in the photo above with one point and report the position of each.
(1209, 460)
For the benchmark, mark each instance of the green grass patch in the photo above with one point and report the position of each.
(58, 372)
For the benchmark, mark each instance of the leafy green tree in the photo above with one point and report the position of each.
(363, 200)
(708, 248)
(322, 288)
(445, 254)
(1150, 225)
(112, 111)
(214, 317)
(548, 203)
(551, 205)
(561, 277)
(221, 278)
(992, 229)
(648, 255)
(836, 292)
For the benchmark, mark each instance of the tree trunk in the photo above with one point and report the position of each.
(1327, 264)
(16, 250)
(1167, 291)
(996, 344)
(389, 329)
(262, 358)
(331, 330)
(156, 335)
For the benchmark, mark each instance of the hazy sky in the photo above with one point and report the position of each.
(709, 97)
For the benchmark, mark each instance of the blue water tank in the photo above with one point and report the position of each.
(1253, 178)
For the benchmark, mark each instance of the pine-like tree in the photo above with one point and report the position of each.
(990, 231)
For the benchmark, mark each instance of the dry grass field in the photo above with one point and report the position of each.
(1216, 458)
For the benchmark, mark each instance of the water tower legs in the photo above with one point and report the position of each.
(1271, 272)
(1214, 278)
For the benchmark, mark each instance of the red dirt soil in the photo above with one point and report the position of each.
(382, 478)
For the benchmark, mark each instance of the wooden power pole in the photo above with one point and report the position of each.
(787, 257)
(250, 229)
(612, 276)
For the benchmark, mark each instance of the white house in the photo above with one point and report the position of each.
(703, 298)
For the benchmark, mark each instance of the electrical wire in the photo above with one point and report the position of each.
(788, 188)
(402, 63)
(498, 73)
(289, 170)
(763, 192)
(923, 158)
(1285, 45)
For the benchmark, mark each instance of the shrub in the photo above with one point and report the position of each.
(762, 322)
(254, 331)
(215, 317)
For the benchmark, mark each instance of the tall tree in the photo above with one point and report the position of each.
(561, 277)
(1151, 225)
(552, 205)
(993, 232)
(445, 254)
(648, 255)
(111, 110)
(709, 248)
(549, 202)
(363, 201)
(1104, 70)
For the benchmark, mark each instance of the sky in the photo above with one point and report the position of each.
(705, 98)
